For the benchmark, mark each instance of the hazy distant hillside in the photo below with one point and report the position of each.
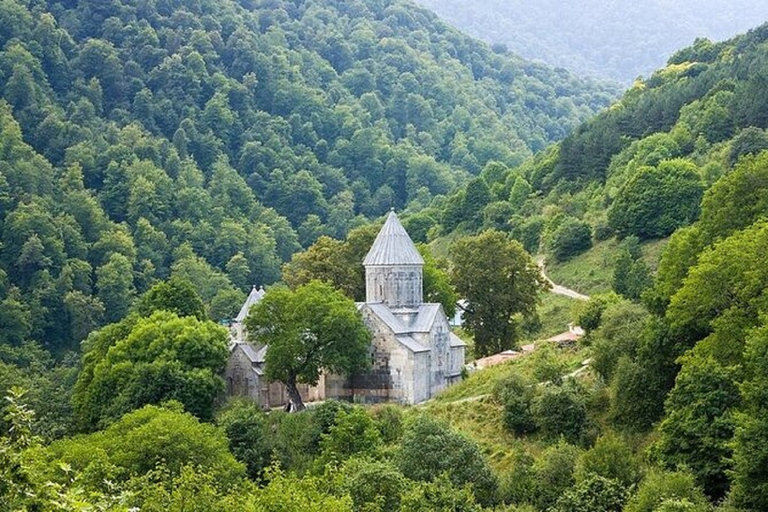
(620, 39)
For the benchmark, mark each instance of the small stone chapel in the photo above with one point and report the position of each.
(414, 354)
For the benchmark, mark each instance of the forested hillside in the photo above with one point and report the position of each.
(640, 167)
(159, 157)
(619, 40)
(211, 140)
(679, 346)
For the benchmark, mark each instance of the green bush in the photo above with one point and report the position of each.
(353, 433)
(657, 200)
(610, 457)
(618, 335)
(562, 411)
(549, 364)
(516, 394)
(248, 432)
(554, 473)
(659, 487)
(373, 483)
(518, 483)
(570, 239)
(439, 495)
(140, 441)
(594, 494)
(430, 448)
(388, 419)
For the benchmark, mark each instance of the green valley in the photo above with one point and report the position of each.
(159, 158)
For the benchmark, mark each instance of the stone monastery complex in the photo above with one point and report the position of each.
(414, 354)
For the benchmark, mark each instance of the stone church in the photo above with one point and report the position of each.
(414, 354)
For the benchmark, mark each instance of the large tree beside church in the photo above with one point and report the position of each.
(311, 329)
(500, 283)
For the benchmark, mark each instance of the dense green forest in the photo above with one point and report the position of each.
(159, 158)
(619, 40)
(212, 140)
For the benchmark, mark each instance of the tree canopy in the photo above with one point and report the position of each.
(150, 360)
(499, 280)
(309, 330)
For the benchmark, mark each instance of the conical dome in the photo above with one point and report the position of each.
(393, 246)
(393, 268)
(255, 296)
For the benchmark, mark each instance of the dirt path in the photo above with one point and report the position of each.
(560, 290)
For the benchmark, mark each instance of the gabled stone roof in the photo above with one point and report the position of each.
(393, 246)
(255, 296)
(425, 319)
(422, 323)
(456, 341)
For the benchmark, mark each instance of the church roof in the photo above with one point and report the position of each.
(421, 323)
(456, 341)
(254, 297)
(390, 320)
(253, 355)
(426, 318)
(411, 344)
(393, 246)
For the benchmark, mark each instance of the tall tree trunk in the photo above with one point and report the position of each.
(297, 404)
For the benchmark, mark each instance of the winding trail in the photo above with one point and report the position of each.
(558, 289)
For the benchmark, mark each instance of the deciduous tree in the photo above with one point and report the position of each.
(309, 330)
(499, 280)
(148, 361)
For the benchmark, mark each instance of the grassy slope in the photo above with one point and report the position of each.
(471, 409)
(588, 273)
(591, 272)
(555, 312)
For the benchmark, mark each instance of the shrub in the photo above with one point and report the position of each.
(324, 417)
(388, 419)
(657, 200)
(439, 495)
(610, 458)
(370, 482)
(516, 394)
(518, 484)
(659, 487)
(594, 494)
(247, 430)
(353, 433)
(561, 411)
(570, 239)
(549, 364)
(554, 472)
(619, 335)
(430, 448)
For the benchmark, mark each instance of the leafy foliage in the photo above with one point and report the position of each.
(572, 237)
(499, 280)
(138, 442)
(516, 395)
(699, 424)
(660, 487)
(561, 411)
(148, 361)
(311, 329)
(595, 494)
(174, 295)
(749, 479)
(657, 200)
(431, 448)
(248, 433)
